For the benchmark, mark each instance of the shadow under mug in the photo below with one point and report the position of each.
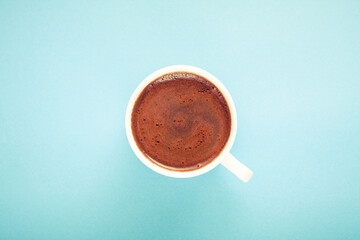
(225, 158)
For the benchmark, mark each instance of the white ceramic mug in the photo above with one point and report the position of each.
(225, 158)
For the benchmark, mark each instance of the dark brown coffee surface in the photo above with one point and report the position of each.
(181, 121)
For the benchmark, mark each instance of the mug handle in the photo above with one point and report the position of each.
(237, 168)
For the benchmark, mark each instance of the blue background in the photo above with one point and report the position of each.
(68, 68)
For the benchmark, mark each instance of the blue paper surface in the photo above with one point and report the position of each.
(67, 71)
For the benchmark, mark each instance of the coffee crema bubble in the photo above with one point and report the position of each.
(180, 121)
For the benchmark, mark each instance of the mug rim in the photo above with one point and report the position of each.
(173, 173)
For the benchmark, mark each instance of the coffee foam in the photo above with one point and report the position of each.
(181, 121)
